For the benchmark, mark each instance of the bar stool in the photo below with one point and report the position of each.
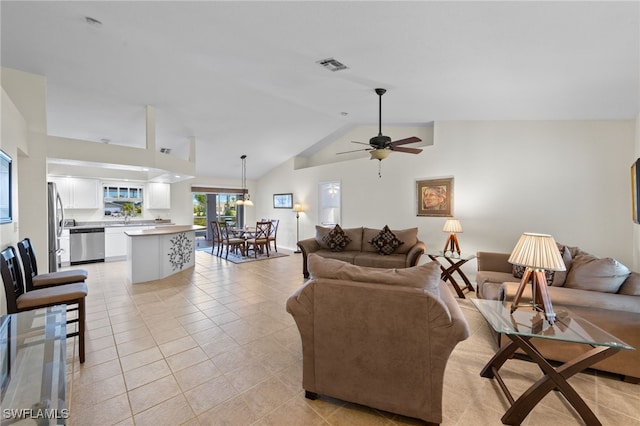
(34, 281)
(18, 300)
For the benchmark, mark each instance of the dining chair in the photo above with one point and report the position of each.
(273, 233)
(215, 238)
(227, 239)
(260, 239)
(19, 300)
(34, 281)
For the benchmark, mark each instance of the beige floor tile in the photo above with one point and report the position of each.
(96, 393)
(176, 346)
(146, 396)
(146, 374)
(109, 412)
(210, 394)
(233, 412)
(138, 359)
(174, 411)
(292, 413)
(267, 396)
(186, 359)
(197, 374)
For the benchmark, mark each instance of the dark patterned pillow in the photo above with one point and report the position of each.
(386, 241)
(518, 272)
(336, 239)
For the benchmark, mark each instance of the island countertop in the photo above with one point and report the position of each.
(164, 230)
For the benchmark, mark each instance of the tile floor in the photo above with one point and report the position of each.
(215, 346)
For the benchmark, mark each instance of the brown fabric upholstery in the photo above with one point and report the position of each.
(384, 346)
(360, 252)
(51, 296)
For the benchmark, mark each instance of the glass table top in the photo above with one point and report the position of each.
(454, 255)
(33, 357)
(525, 321)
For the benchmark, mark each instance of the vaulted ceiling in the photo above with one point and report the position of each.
(243, 78)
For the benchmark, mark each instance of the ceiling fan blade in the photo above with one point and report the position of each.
(361, 143)
(412, 139)
(408, 150)
(355, 150)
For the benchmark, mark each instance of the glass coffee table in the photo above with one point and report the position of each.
(525, 324)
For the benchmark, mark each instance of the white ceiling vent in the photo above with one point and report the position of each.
(332, 65)
(165, 150)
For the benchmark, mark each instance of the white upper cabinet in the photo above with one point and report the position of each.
(78, 193)
(158, 196)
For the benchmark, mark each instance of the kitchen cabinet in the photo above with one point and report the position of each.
(115, 241)
(78, 193)
(158, 196)
(65, 246)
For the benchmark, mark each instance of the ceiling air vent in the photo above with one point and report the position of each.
(165, 150)
(332, 65)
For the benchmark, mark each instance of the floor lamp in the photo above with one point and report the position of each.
(538, 253)
(298, 209)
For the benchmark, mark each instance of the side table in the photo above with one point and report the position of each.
(521, 327)
(455, 263)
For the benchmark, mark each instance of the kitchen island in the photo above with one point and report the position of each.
(153, 254)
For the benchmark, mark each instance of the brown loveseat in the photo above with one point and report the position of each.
(359, 251)
(377, 337)
(602, 291)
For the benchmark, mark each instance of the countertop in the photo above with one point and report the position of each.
(164, 230)
(120, 224)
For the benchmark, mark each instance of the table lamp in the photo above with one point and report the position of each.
(538, 253)
(452, 226)
(298, 209)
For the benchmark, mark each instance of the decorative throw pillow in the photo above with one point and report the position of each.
(518, 272)
(386, 241)
(336, 239)
(596, 274)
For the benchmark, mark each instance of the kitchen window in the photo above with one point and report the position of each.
(122, 201)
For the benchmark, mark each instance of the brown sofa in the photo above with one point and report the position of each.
(600, 290)
(377, 337)
(361, 252)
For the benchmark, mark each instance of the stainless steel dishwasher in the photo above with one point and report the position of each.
(87, 245)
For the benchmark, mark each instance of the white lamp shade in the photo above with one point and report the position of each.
(297, 208)
(452, 225)
(248, 203)
(537, 251)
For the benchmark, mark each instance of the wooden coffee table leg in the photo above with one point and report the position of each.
(555, 379)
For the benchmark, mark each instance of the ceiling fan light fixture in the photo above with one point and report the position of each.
(380, 154)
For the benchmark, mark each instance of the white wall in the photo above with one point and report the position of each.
(568, 179)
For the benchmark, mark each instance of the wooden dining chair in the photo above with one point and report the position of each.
(215, 238)
(227, 239)
(260, 239)
(34, 281)
(274, 233)
(18, 300)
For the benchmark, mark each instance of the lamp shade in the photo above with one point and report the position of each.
(537, 251)
(380, 154)
(452, 225)
(298, 208)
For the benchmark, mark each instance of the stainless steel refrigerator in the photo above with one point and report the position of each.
(55, 225)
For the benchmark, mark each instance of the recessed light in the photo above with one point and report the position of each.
(344, 113)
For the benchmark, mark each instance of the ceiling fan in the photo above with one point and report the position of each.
(381, 146)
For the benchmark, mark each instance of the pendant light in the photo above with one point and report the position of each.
(245, 200)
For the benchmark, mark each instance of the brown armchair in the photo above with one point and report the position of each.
(377, 337)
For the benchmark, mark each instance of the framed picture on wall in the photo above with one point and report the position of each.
(635, 191)
(435, 197)
(283, 201)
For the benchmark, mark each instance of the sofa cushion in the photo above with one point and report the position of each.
(560, 277)
(386, 241)
(345, 256)
(374, 260)
(408, 236)
(631, 286)
(426, 276)
(596, 274)
(336, 239)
